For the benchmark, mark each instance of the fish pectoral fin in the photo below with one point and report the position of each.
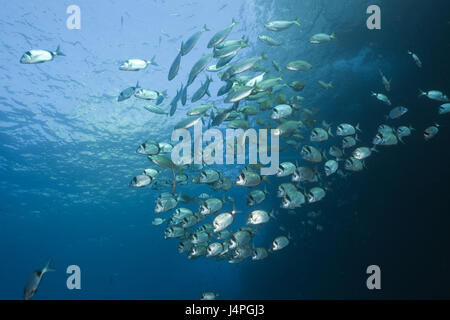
(47, 267)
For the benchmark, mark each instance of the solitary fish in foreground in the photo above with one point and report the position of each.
(431, 131)
(382, 98)
(434, 95)
(155, 109)
(325, 85)
(415, 58)
(34, 281)
(137, 64)
(281, 25)
(209, 296)
(39, 56)
(298, 65)
(321, 38)
(269, 41)
(146, 94)
(397, 112)
(385, 81)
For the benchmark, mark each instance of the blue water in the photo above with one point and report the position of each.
(67, 151)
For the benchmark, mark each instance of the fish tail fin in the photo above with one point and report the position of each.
(205, 28)
(331, 84)
(421, 93)
(411, 128)
(234, 21)
(401, 140)
(272, 214)
(234, 211)
(357, 128)
(330, 133)
(244, 42)
(296, 21)
(153, 62)
(333, 36)
(194, 200)
(409, 52)
(58, 52)
(47, 267)
(174, 182)
(263, 57)
(374, 149)
(356, 138)
(137, 85)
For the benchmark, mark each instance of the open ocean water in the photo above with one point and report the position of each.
(68, 150)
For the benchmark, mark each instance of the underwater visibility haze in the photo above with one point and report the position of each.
(91, 92)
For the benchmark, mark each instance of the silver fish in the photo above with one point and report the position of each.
(39, 56)
(34, 281)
